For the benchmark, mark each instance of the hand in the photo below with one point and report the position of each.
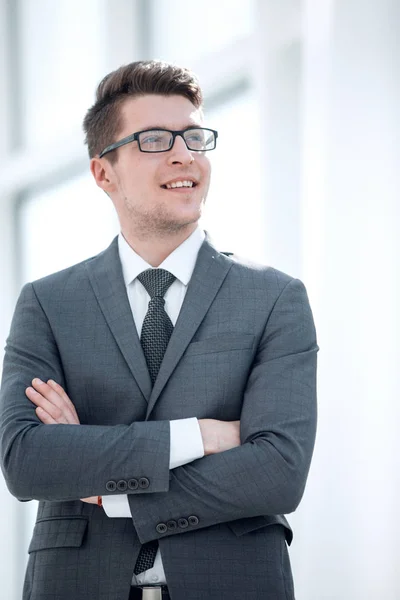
(53, 404)
(54, 407)
(91, 500)
(219, 436)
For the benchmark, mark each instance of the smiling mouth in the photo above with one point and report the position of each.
(181, 187)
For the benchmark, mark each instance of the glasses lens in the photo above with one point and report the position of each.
(200, 139)
(155, 141)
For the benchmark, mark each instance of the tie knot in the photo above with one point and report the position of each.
(156, 281)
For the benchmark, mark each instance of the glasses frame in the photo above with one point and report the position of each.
(135, 137)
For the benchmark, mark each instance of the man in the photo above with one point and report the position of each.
(159, 399)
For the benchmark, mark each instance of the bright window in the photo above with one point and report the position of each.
(64, 225)
(187, 31)
(234, 215)
(60, 54)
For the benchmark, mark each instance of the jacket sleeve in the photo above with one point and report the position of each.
(67, 462)
(267, 474)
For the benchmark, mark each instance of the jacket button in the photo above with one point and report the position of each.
(183, 523)
(133, 484)
(161, 528)
(193, 520)
(144, 483)
(172, 525)
(111, 486)
(122, 485)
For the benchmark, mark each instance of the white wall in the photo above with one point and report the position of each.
(347, 536)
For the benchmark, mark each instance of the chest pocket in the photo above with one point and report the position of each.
(222, 343)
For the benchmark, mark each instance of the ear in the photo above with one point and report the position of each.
(103, 174)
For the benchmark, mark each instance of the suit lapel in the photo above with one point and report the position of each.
(105, 274)
(208, 275)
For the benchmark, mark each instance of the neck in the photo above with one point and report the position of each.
(154, 249)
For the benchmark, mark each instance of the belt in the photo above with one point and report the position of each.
(147, 592)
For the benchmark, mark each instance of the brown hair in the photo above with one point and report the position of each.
(103, 120)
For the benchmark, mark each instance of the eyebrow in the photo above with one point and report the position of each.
(164, 127)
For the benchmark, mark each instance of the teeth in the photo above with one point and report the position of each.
(176, 184)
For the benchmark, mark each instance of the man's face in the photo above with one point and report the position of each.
(137, 178)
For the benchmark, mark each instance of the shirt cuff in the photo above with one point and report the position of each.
(186, 442)
(186, 446)
(116, 506)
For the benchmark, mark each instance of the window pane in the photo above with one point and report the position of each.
(64, 225)
(187, 30)
(60, 52)
(234, 207)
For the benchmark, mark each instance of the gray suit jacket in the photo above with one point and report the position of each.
(244, 347)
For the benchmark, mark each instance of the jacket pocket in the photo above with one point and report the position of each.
(58, 532)
(223, 343)
(243, 526)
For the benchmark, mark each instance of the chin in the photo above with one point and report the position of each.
(184, 215)
(184, 223)
(178, 223)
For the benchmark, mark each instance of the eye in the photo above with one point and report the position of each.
(151, 139)
(154, 139)
(195, 137)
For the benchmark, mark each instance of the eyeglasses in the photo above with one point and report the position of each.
(198, 139)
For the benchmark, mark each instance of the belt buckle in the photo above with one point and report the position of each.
(151, 593)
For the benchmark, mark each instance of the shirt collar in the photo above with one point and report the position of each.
(180, 262)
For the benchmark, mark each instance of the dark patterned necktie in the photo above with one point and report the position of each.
(156, 331)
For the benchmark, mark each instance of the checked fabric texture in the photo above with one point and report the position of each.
(157, 327)
(156, 331)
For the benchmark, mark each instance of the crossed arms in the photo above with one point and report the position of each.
(264, 475)
(54, 407)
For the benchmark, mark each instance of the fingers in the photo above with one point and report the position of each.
(45, 405)
(52, 399)
(91, 500)
(45, 417)
(62, 393)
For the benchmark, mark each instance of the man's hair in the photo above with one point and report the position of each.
(103, 120)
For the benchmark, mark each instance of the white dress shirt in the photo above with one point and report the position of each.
(185, 435)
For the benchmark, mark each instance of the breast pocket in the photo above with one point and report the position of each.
(222, 343)
(58, 532)
(211, 377)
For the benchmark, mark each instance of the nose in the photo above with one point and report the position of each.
(179, 152)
